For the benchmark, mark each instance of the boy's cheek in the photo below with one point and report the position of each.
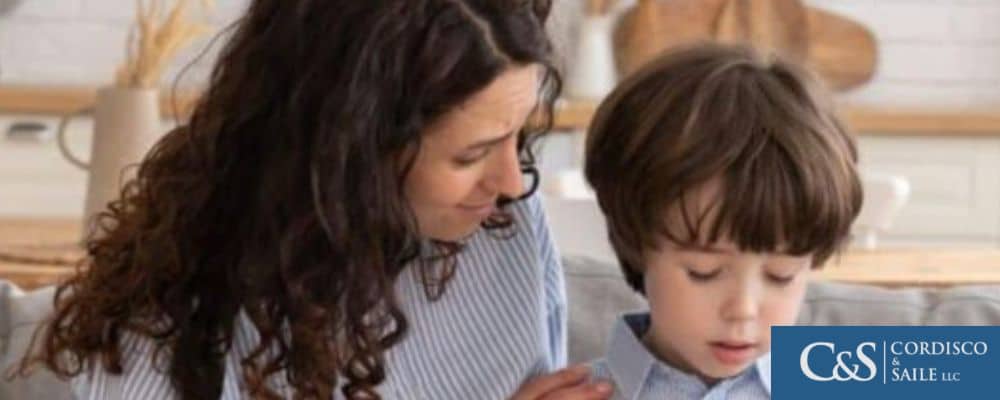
(784, 310)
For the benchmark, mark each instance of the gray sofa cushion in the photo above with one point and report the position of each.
(829, 303)
(597, 294)
(20, 314)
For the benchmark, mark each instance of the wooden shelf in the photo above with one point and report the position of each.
(570, 115)
(928, 267)
(898, 267)
(63, 100)
(866, 121)
(36, 252)
(903, 122)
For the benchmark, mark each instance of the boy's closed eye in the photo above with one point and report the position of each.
(702, 274)
(699, 275)
(781, 279)
(785, 272)
(781, 273)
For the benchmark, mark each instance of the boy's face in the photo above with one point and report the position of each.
(712, 309)
(712, 306)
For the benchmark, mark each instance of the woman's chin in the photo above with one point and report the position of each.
(453, 233)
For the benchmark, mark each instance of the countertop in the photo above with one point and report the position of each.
(50, 250)
(36, 252)
(571, 115)
(864, 120)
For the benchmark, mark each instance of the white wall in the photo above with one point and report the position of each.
(83, 41)
(933, 52)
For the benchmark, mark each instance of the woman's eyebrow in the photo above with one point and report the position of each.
(490, 142)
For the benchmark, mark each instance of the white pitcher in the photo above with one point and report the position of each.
(592, 75)
(126, 125)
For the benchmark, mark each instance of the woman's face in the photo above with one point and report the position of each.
(469, 158)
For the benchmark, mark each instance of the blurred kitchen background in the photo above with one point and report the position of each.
(927, 116)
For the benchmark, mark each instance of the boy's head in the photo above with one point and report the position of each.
(725, 177)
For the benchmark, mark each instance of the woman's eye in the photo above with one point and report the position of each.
(702, 276)
(469, 159)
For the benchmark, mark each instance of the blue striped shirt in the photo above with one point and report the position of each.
(637, 374)
(501, 321)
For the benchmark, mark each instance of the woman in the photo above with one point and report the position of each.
(344, 215)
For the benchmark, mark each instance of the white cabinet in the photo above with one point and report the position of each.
(954, 180)
(955, 186)
(35, 179)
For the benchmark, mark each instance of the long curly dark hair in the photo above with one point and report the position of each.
(282, 197)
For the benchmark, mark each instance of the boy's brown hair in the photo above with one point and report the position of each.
(759, 125)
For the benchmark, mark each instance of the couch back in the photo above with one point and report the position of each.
(597, 294)
(20, 314)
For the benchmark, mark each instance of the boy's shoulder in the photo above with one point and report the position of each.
(626, 363)
(752, 384)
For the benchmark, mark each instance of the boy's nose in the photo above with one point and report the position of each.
(742, 304)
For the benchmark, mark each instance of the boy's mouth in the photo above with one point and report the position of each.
(733, 352)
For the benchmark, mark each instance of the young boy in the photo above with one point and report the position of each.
(725, 178)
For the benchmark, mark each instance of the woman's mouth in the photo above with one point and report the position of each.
(481, 211)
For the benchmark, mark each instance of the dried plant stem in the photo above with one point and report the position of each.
(153, 44)
(599, 7)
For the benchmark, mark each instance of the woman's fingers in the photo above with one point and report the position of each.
(583, 391)
(566, 384)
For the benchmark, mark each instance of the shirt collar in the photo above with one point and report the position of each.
(764, 371)
(631, 364)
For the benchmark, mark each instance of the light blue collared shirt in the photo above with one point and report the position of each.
(637, 374)
(501, 322)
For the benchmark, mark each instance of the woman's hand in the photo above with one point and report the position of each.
(566, 384)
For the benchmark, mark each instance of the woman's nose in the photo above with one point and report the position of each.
(505, 177)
